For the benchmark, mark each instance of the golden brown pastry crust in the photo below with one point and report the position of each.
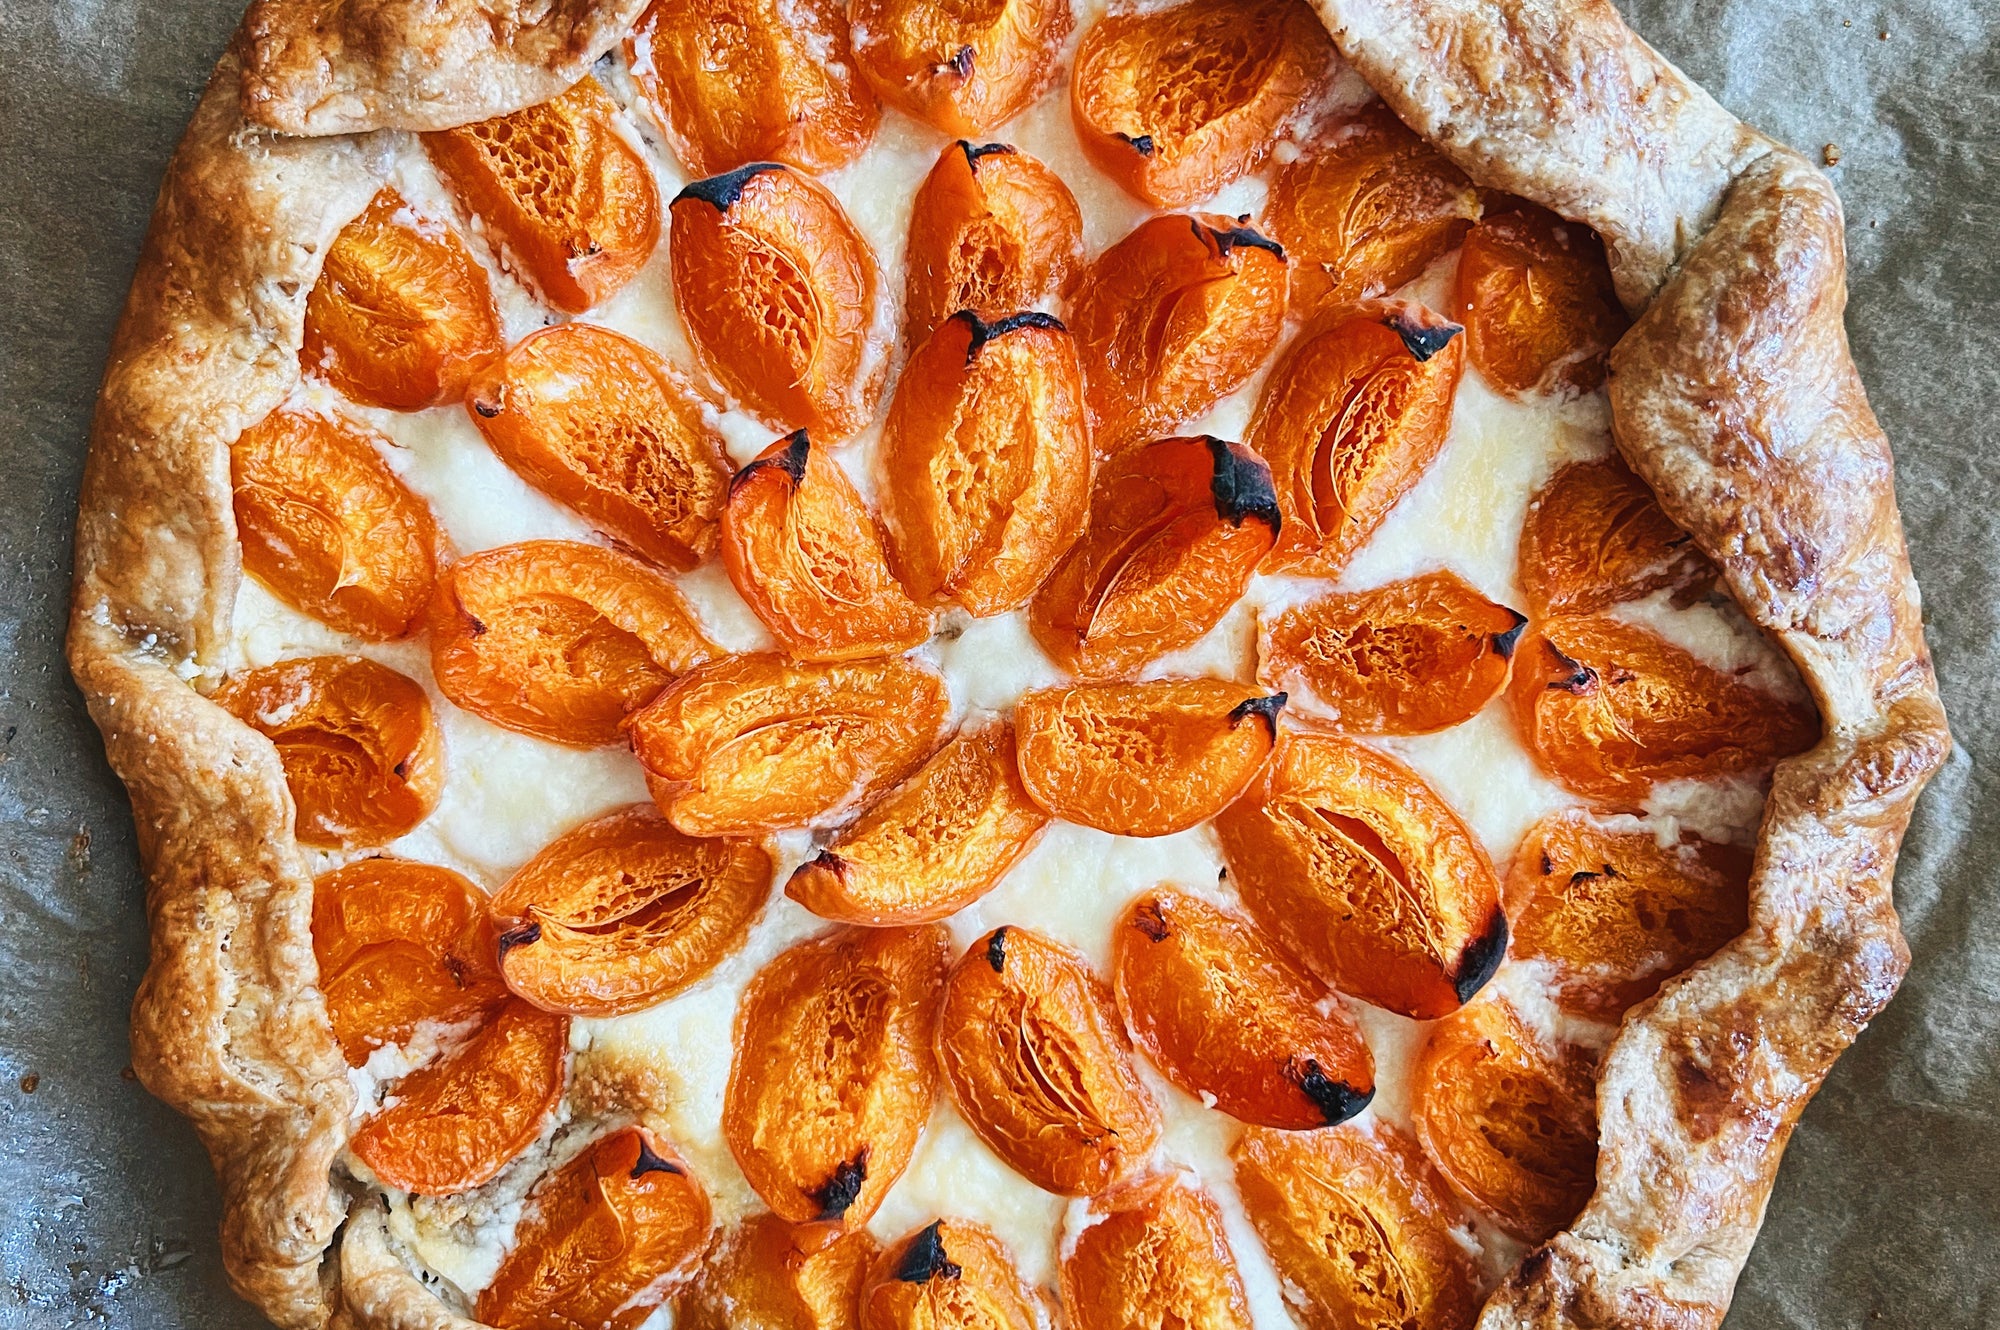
(1733, 394)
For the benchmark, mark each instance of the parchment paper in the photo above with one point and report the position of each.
(1887, 1212)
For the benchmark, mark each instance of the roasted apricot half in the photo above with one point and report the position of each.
(1151, 1255)
(961, 68)
(600, 423)
(603, 1239)
(949, 1275)
(1360, 1227)
(1173, 104)
(1609, 708)
(992, 230)
(570, 203)
(767, 1274)
(758, 743)
(1231, 1020)
(804, 552)
(401, 314)
(777, 291)
(1143, 759)
(360, 748)
(457, 1122)
(934, 844)
(1173, 318)
(1595, 537)
(558, 639)
(1349, 420)
(329, 528)
(1510, 1121)
(1363, 872)
(737, 81)
(1407, 658)
(1040, 1066)
(1176, 529)
(833, 1075)
(1540, 309)
(985, 461)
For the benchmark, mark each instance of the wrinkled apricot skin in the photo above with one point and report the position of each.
(1153, 1256)
(932, 846)
(604, 1239)
(950, 1275)
(766, 1274)
(1363, 873)
(1360, 1227)
(1510, 1122)
(1595, 537)
(962, 68)
(1608, 708)
(1349, 420)
(401, 315)
(1173, 318)
(777, 291)
(329, 528)
(1176, 529)
(602, 424)
(1614, 914)
(737, 81)
(623, 912)
(1143, 759)
(1175, 103)
(571, 204)
(1231, 1020)
(1411, 657)
(558, 639)
(1040, 1067)
(1365, 210)
(833, 1074)
(361, 750)
(992, 230)
(1540, 311)
(456, 1123)
(805, 554)
(758, 743)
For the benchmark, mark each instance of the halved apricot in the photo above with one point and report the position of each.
(1172, 319)
(329, 528)
(624, 911)
(1231, 1020)
(1365, 209)
(805, 554)
(777, 290)
(1152, 1255)
(1175, 103)
(767, 1274)
(457, 1122)
(1540, 309)
(602, 424)
(962, 68)
(1510, 1121)
(558, 639)
(570, 204)
(401, 314)
(949, 1275)
(1349, 420)
(603, 1240)
(1614, 914)
(1176, 529)
(934, 844)
(736, 81)
(360, 748)
(1040, 1066)
(1363, 872)
(1595, 536)
(1360, 1227)
(1407, 658)
(833, 1076)
(1143, 759)
(1608, 708)
(757, 743)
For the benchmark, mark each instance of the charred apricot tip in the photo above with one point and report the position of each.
(926, 1259)
(974, 151)
(792, 462)
(1242, 485)
(983, 332)
(652, 1163)
(721, 192)
(996, 949)
(1481, 958)
(1424, 340)
(827, 860)
(1151, 920)
(1265, 709)
(486, 408)
(519, 937)
(1579, 677)
(1337, 1101)
(1141, 143)
(843, 1188)
(1229, 238)
(1505, 641)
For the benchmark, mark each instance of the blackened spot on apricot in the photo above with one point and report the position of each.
(983, 332)
(1248, 237)
(792, 461)
(1424, 340)
(651, 1163)
(960, 62)
(1480, 959)
(1241, 484)
(402, 770)
(1337, 1101)
(1265, 709)
(487, 410)
(843, 1187)
(1505, 642)
(926, 1259)
(1152, 921)
(519, 937)
(1142, 143)
(721, 192)
(973, 152)
(996, 949)
(1581, 678)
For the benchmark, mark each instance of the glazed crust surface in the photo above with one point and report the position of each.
(1733, 395)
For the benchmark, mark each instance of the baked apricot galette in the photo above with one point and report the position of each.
(905, 665)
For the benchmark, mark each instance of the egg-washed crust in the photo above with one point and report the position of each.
(1733, 395)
